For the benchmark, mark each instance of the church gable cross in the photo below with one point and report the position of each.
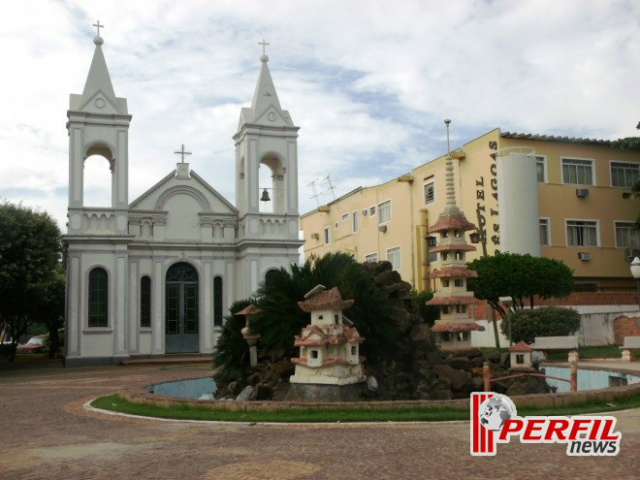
(264, 46)
(182, 152)
(98, 26)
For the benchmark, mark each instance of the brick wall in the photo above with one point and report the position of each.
(573, 300)
(624, 326)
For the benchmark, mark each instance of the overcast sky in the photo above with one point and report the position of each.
(368, 82)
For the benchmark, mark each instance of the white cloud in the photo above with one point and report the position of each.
(368, 82)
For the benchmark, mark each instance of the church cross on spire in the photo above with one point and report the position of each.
(264, 46)
(182, 152)
(98, 26)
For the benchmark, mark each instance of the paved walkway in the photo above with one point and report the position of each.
(46, 434)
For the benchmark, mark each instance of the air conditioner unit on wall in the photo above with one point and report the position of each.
(382, 228)
(315, 236)
(365, 212)
(584, 256)
(582, 192)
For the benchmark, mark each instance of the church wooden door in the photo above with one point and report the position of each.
(181, 309)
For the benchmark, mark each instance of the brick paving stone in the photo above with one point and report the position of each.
(46, 434)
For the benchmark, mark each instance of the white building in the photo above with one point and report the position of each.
(155, 276)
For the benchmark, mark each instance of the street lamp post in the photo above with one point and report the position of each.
(635, 271)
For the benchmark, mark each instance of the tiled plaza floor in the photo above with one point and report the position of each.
(46, 434)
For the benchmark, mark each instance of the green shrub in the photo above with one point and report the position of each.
(541, 322)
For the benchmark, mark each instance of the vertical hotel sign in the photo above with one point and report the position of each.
(489, 229)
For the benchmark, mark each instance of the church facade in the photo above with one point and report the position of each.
(156, 276)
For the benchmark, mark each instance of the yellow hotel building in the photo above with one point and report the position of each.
(562, 199)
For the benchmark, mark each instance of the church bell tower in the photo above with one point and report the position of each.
(266, 139)
(97, 238)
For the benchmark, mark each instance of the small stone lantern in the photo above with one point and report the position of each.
(520, 356)
(250, 338)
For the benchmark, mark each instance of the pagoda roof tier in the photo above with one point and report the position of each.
(453, 247)
(452, 300)
(452, 222)
(317, 335)
(321, 299)
(453, 272)
(457, 327)
(521, 347)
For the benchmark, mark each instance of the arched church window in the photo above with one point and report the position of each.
(145, 302)
(217, 301)
(98, 298)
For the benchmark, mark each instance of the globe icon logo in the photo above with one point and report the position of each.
(495, 411)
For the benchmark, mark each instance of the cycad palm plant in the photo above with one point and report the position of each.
(280, 318)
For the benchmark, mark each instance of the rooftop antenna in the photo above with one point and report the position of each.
(315, 193)
(331, 187)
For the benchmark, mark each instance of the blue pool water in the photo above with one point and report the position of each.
(198, 388)
(589, 379)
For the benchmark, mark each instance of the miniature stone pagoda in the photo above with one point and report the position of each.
(329, 367)
(520, 356)
(453, 330)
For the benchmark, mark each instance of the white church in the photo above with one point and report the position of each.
(156, 276)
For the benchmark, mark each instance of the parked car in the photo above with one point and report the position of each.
(34, 345)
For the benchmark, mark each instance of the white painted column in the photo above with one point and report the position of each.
(134, 308)
(292, 179)
(120, 317)
(75, 294)
(157, 334)
(206, 309)
(76, 166)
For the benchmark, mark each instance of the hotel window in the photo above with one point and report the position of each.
(429, 193)
(582, 233)
(544, 231)
(372, 211)
(624, 174)
(393, 256)
(354, 220)
(327, 235)
(371, 258)
(345, 216)
(577, 172)
(541, 168)
(626, 235)
(384, 212)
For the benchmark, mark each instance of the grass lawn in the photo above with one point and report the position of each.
(329, 415)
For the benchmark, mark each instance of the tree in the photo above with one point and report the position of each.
(48, 308)
(520, 277)
(29, 256)
(541, 322)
